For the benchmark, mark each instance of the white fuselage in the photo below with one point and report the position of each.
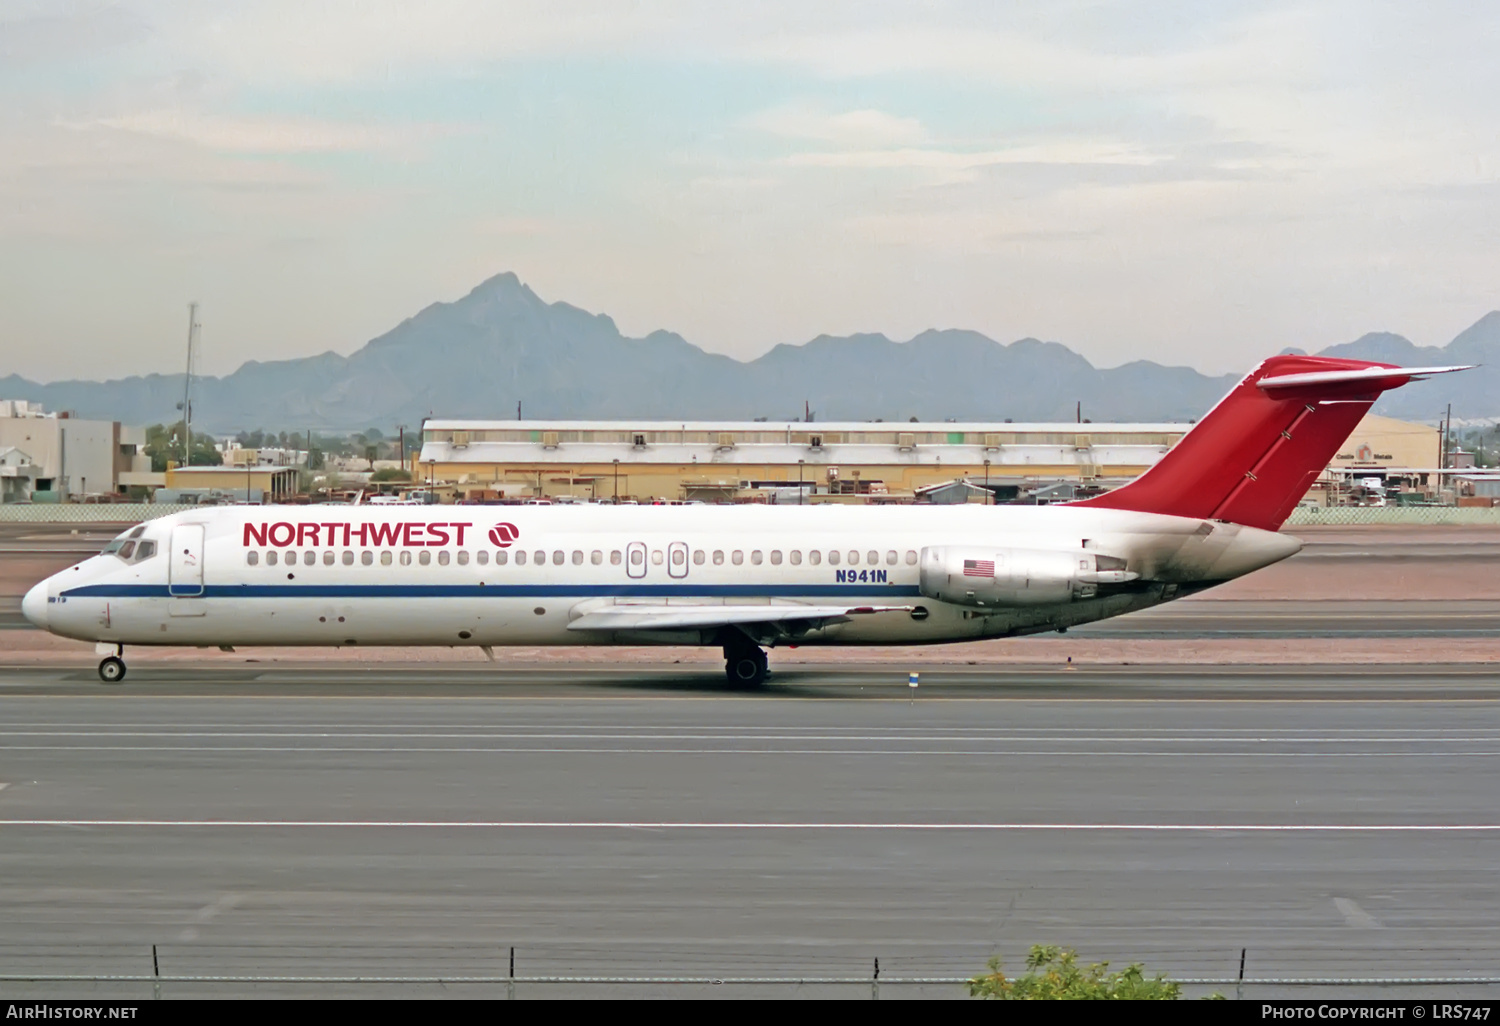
(477, 575)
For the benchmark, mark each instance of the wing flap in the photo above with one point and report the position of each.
(661, 618)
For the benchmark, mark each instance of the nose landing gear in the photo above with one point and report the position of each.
(112, 668)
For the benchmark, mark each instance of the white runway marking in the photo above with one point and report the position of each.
(1356, 916)
(496, 824)
(953, 752)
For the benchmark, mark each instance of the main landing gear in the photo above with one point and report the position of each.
(112, 668)
(744, 663)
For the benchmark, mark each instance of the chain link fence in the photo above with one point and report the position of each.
(1341, 516)
(471, 970)
(90, 513)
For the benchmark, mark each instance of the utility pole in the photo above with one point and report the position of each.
(401, 432)
(187, 388)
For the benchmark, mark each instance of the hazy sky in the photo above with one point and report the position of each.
(1192, 182)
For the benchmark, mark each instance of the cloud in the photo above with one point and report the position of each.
(231, 134)
(1061, 152)
(853, 128)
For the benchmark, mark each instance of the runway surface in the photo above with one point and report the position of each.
(389, 821)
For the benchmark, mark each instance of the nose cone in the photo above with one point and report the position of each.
(34, 605)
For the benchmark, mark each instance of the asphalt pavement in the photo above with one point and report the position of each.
(1329, 821)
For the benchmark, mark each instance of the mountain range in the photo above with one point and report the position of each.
(502, 344)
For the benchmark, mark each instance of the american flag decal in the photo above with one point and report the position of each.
(979, 568)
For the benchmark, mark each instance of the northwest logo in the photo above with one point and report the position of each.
(504, 535)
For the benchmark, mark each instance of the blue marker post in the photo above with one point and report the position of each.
(911, 685)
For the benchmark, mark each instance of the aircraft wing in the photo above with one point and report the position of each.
(658, 618)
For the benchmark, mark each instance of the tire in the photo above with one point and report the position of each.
(746, 669)
(112, 670)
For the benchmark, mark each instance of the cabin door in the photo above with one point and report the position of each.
(185, 569)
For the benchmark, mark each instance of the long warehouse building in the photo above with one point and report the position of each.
(825, 462)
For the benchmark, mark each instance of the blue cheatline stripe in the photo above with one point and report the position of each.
(503, 590)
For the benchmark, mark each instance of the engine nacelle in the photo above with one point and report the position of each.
(970, 576)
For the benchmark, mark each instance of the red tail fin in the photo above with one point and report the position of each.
(1259, 450)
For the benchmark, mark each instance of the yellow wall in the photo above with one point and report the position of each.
(670, 481)
(1389, 443)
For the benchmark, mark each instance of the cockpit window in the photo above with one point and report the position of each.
(128, 548)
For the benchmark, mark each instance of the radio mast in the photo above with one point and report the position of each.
(187, 387)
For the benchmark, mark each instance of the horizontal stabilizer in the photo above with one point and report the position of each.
(663, 618)
(1381, 378)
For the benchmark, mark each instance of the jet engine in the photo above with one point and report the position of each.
(970, 576)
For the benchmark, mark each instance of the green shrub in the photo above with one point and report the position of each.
(1053, 974)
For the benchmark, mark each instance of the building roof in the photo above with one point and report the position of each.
(241, 471)
(797, 425)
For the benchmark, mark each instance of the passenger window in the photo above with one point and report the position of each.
(718, 557)
(424, 557)
(833, 557)
(815, 557)
(127, 550)
(385, 557)
(443, 558)
(756, 557)
(558, 556)
(502, 557)
(796, 557)
(367, 558)
(698, 556)
(309, 557)
(348, 557)
(776, 557)
(679, 557)
(463, 557)
(854, 558)
(328, 558)
(890, 558)
(406, 557)
(737, 558)
(482, 557)
(291, 558)
(271, 558)
(873, 558)
(539, 557)
(252, 557)
(578, 557)
(911, 557)
(656, 557)
(596, 557)
(637, 557)
(615, 557)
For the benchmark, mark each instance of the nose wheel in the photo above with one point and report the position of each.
(112, 670)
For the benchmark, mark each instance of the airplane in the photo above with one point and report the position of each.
(743, 578)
